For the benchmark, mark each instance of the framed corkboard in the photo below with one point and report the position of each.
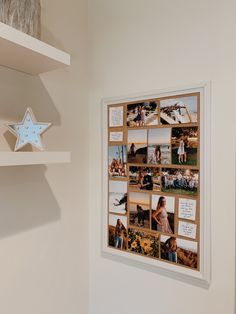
(156, 181)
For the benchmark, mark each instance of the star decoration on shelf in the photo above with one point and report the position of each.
(28, 131)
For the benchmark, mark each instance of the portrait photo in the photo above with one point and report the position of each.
(117, 161)
(137, 146)
(159, 146)
(118, 237)
(139, 209)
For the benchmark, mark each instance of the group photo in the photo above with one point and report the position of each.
(139, 210)
(159, 146)
(142, 114)
(117, 161)
(143, 243)
(179, 110)
(185, 145)
(118, 237)
(137, 146)
(180, 181)
(144, 178)
(163, 208)
(118, 197)
(179, 251)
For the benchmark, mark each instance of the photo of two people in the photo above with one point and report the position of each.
(142, 114)
(144, 178)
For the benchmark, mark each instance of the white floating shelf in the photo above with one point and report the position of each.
(25, 53)
(33, 158)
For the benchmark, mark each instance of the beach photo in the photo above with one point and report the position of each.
(143, 243)
(117, 161)
(179, 251)
(179, 110)
(180, 181)
(137, 146)
(159, 146)
(185, 145)
(118, 197)
(139, 209)
(163, 208)
(142, 114)
(118, 237)
(144, 178)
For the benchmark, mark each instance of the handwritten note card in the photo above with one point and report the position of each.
(116, 136)
(187, 209)
(187, 229)
(115, 116)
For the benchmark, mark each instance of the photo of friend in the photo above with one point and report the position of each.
(117, 161)
(184, 145)
(179, 251)
(159, 146)
(137, 146)
(179, 110)
(118, 197)
(143, 243)
(180, 181)
(139, 209)
(144, 178)
(118, 237)
(142, 114)
(163, 208)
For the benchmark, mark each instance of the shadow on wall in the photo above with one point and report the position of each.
(26, 198)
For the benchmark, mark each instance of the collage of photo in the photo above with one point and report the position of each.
(154, 179)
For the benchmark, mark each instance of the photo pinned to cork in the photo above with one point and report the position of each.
(144, 178)
(142, 114)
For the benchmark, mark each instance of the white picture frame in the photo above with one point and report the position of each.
(200, 278)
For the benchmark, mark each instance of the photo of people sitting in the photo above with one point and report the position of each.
(179, 251)
(118, 237)
(185, 145)
(139, 210)
(144, 178)
(141, 114)
(180, 181)
(117, 161)
(163, 213)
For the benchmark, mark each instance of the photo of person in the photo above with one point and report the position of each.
(143, 243)
(179, 110)
(144, 178)
(139, 210)
(159, 146)
(142, 114)
(163, 208)
(185, 145)
(137, 146)
(117, 161)
(118, 197)
(180, 181)
(118, 237)
(179, 251)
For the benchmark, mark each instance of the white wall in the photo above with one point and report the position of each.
(139, 46)
(44, 210)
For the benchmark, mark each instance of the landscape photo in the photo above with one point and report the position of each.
(143, 243)
(180, 181)
(144, 178)
(159, 146)
(185, 145)
(179, 251)
(137, 146)
(179, 110)
(142, 114)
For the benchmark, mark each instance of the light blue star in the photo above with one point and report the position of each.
(28, 131)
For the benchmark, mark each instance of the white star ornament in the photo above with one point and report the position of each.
(29, 131)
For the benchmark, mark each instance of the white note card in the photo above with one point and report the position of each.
(116, 136)
(187, 229)
(187, 209)
(116, 116)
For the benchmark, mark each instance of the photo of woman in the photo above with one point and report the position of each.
(163, 214)
(181, 151)
(142, 114)
(118, 237)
